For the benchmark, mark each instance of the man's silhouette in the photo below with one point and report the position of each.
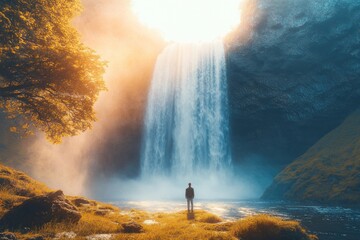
(189, 194)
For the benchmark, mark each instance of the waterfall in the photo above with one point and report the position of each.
(186, 129)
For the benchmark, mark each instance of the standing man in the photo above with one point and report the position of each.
(189, 194)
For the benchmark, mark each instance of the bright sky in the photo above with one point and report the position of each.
(189, 20)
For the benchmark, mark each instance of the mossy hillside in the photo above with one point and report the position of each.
(16, 186)
(329, 172)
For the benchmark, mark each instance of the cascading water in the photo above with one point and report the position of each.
(187, 122)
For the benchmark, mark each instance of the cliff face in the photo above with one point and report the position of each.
(293, 69)
(328, 172)
(292, 66)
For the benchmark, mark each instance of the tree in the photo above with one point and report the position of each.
(48, 78)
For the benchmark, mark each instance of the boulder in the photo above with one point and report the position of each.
(37, 211)
(132, 227)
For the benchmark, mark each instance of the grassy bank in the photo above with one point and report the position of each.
(104, 221)
(201, 225)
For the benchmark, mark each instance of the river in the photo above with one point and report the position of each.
(327, 222)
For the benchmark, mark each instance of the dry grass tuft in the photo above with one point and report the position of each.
(20, 184)
(8, 199)
(88, 225)
(15, 187)
(209, 218)
(265, 227)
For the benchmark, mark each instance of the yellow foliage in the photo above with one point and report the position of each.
(49, 78)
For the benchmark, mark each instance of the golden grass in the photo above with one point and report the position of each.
(209, 218)
(20, 184)
(8, 199)
(15, 187)
(89, 224)
(101, 218)
(265, 227)
(177, 226)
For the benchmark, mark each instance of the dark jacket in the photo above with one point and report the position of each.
(189, 193)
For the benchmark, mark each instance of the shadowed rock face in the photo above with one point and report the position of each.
(293, 69)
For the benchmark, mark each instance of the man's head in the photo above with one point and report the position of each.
(189, 184)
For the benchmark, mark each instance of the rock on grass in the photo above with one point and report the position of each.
(132, 227)
(37, 211)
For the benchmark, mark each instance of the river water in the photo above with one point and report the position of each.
(328, 223)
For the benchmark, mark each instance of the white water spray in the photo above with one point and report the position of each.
(187, 122)
(186, 130)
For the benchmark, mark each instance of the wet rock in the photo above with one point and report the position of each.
(37, 211)
(7, 236)
(132, 227)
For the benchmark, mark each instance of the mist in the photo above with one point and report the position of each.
(113, 32)
(104, 162)
(244, 182)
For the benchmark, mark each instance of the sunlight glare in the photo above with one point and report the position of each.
(189, 20)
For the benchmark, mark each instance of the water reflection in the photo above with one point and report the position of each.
(329, 223)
